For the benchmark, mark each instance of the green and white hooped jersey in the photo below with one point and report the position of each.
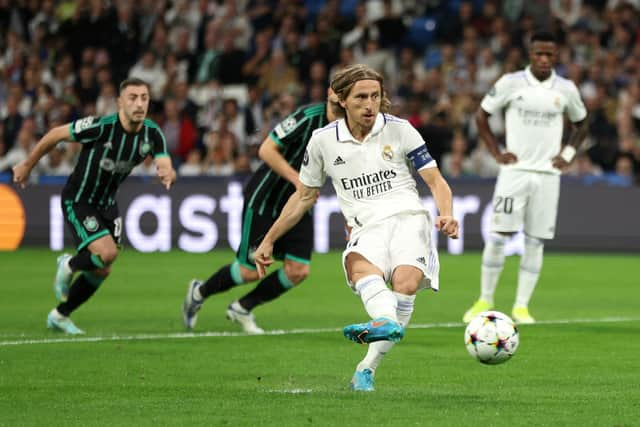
(373, 179)
(534, 116)
(108, 155)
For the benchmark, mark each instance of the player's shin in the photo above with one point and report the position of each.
(222, 280)
(86, 261)
(269, 288)
(81, 290)
(377, 298)
(530, 266)
(377, 350)
(492, 264)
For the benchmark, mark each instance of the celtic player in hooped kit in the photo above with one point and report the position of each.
(264, 196)
(111, 146)
(526, 195)
(369, 156)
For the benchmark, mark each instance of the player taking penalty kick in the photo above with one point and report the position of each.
(368, 155)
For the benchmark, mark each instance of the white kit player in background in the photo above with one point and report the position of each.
(369, 157)
(528, 186)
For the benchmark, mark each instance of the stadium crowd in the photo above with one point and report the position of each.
(223, 73)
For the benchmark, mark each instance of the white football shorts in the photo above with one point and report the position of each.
(403, 239)
(526, 200)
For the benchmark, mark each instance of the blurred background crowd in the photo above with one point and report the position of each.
(223, 73)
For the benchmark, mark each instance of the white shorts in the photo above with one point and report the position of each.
(398, 240)
(526, 200)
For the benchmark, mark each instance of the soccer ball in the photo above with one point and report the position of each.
(491, 337)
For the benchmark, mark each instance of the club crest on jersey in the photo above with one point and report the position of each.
(145, 147)
(556, 102)
(387, 153)
(90, 223)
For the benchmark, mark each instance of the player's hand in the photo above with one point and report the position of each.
(559, 163)
(167, 176)
(21, 174)
(506, 158)
(262, 257)
(448, 225)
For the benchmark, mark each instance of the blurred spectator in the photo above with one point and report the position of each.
(11, 123)
(107, 103)
(25, 140)
(55, 163)
(149, 69)
(193, 165)
(178, 130)
(455, 163)
(277, 76)
(220, 155)
(146, 168)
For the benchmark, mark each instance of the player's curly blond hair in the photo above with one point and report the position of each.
(344, 80)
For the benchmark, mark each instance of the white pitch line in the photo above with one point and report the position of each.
(190, 335)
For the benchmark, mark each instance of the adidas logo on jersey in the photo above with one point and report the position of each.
(338, 161)
(108, 146)
(421, 260)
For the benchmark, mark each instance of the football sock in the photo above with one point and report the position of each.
(269, 288)
(492, 264)
(377, 350)
(85, 261)
(220, 281)
(405, 308)
(530, 266)
(377, 298)
(80, 291)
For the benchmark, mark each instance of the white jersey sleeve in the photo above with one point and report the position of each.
(576, 111)
(312, 171)
(498, 97)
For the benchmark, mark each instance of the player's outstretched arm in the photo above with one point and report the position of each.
(165, 171)
(443, 197)
(297, 205)
(22, 170)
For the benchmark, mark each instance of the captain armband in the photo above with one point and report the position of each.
(421, 158)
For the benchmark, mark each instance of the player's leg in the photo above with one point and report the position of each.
(539, 225)
(271, 287)
(509, 204)
(222, 280)
(367, 267)
(96, 236)
(294, 248)
(242, 270)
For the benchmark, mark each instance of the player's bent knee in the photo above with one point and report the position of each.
(296, 272)
(248, 275)
(108, 256)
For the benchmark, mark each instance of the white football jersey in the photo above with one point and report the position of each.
(534, 116)
(373, 179)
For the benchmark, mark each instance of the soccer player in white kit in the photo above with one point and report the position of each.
(528, 186)
(369, 156)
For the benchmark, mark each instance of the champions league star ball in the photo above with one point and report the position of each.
(491, 337)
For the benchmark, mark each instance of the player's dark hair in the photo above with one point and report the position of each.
(344, 80)
(132, 81)
(543, 36)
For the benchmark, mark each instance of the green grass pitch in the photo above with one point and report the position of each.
(136, 367)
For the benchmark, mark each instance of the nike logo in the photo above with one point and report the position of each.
(378, 323)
